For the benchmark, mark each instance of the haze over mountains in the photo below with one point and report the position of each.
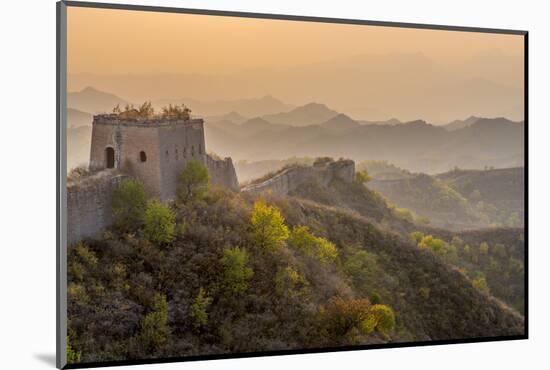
(249, 128)
(375, 87)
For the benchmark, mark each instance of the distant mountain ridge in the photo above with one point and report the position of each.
(253, 107)
(93, 101)
(458, 124)
(305, 115)
(314, 130)
(77, 118)
(417, 145)
(340, 122)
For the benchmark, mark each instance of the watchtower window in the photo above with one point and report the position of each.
(192, 150)
(142, 156)
(109, 157)
(177, 154)
(200, 148)
(167, 155)
(185, 152)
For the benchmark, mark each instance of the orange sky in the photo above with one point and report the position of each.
(108, 41)
(368, 71)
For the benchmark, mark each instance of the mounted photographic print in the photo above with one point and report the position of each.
(236, 184)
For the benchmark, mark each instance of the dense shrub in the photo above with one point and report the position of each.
(198, 311)
(193, 181)
(129, 204)
(160, 223)
(154, 327)
(268, 226)
(236, 273)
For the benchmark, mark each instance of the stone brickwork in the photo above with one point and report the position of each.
(152, 151)
(222, 172)
(289, 179)
(89, 204)
(155, 151)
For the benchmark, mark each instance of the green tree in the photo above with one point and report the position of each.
(302, 240)
(193, 182)
(310, 245)
(325, 250)
(375, 298)
(154, 327)
(417, 236)
(484, 248)
(363, 268)
(236, 273)
(403, 214)
(160, 223)
(480, 283)
(362, 177)
(198, 310)
(380, 318)
(268, 226)
(72, 355)
(128, 205)
(434, 244)
(346, 319)
(290, 283)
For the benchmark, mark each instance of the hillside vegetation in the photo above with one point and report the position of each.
(493, 256)
(460, 199)
(219, 272)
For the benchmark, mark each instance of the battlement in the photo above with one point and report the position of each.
(324, 170)
(116, 120)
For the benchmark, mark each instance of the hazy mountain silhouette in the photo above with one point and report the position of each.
(232, 116)
(243, 107)
(93, 101)
(259, 125)
(309, 114)
(340, 122)
(457, 124)
(315, 130)
(76, 118)
(416, 145)
(391, 121)
(371, 87)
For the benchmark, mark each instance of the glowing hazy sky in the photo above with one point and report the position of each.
(367, 71)
(103, 41)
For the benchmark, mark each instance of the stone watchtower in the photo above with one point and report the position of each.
(155, 151)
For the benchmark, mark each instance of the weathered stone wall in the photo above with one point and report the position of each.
(89, 204)
(289, 179)
(153, 152)
(178, 144)
(222, 172)
(166, 146)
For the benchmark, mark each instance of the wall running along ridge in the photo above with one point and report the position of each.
(290, 178)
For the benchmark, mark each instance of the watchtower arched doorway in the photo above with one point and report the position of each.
(109, 157)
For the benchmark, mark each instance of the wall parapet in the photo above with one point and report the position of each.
(114, 119)
(289, 179)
